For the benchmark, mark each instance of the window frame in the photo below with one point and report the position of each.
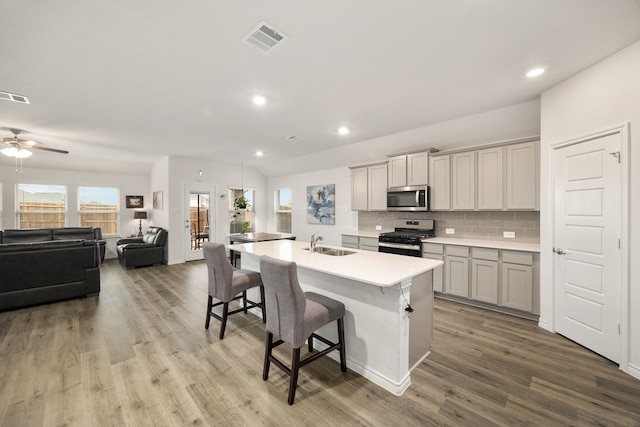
(80, 211)
(45, 224)
(248, 214)
(277, 211)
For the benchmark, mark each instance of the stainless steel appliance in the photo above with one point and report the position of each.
(406, 239)
(408, 199)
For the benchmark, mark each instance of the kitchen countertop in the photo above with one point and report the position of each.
(358, 233)
(374, 268)
(492, 244)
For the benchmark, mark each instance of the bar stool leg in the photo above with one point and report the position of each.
(343, 351)
(225, 311)
(209, 307)
(244, 301)
(262, 305)
(295, 367)
(267, 356)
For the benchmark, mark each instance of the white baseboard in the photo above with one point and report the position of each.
(633, 370)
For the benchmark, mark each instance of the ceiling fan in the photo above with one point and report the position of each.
(20, 148)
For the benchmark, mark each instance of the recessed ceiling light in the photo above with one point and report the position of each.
(259, 100)
(343, 130)
(535, 72)
(259, 153)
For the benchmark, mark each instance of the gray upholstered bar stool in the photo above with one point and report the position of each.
(227, 284)
(294, 316)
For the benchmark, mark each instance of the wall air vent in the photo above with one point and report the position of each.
(13, 97)
(265, 37)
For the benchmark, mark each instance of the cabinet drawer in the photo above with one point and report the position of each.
(369, 241)
(484, 253)
(368, 248)
(432, 248)
(524, 258)
(462, 251)
(349, 240)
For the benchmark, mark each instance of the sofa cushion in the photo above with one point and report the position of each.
(26, 236)
(35, 246)
(71, 233)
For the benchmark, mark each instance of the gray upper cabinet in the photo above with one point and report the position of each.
(409, 170)
(500, 177)
(490, 179)
(463, 180)
(440, 182)
(522, 176)
(369, 187)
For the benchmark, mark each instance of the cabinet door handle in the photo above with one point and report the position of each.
(559, 251)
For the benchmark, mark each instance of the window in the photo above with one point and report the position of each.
(41, 206)
(241, 220)
(282, 206)
(99, 207)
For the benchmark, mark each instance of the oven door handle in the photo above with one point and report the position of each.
(399, 246)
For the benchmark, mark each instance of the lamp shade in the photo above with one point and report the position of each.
(140, 215)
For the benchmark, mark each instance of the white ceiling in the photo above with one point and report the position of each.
(120, 84)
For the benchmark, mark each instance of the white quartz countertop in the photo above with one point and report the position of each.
(492, 244)
(374, 268)
(357, 233)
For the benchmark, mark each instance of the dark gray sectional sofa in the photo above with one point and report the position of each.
(50, 264)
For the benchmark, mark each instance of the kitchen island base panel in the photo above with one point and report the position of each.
(383, 341)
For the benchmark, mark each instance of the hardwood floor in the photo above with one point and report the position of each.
(139, 355)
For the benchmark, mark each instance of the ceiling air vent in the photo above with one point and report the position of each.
(13, 97)
(265, 37)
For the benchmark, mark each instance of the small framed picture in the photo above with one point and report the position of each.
(157, 200)
(134, 201)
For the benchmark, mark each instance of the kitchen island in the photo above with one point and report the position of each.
(384, 341)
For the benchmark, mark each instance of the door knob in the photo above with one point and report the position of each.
(559, 251)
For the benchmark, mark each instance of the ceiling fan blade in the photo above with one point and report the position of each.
(55, 150)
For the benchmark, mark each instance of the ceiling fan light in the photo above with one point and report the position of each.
(23, 153)
(10, 151)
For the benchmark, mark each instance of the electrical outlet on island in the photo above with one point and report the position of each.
(449, 231)
(378, 227)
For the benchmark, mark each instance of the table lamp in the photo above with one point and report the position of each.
(140, 215)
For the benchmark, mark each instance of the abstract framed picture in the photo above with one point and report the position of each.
(133, 202)
(321, 207)
(157, 200)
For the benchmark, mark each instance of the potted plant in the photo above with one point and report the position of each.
(245, 227)
(241, 202)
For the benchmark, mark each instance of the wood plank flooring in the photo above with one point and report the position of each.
(138, 355)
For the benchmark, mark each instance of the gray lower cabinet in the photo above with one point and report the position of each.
(517, 280)
(493, 277)
(435, 251)
(484, 275)
(360, 242)
(456, 281)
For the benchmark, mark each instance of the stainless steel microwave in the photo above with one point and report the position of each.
(408, 199)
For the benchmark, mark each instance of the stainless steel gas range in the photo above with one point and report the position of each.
(406, 239)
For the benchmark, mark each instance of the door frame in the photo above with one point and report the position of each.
(623, 130)
(185, 235)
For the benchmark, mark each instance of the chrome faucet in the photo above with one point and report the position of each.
(314, 240)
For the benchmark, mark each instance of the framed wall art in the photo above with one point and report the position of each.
(157, 200)
(134, 202)
(321, 208)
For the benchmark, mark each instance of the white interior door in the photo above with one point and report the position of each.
(588, 259)
(198, 224)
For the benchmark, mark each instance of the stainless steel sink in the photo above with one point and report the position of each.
(331, 251)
